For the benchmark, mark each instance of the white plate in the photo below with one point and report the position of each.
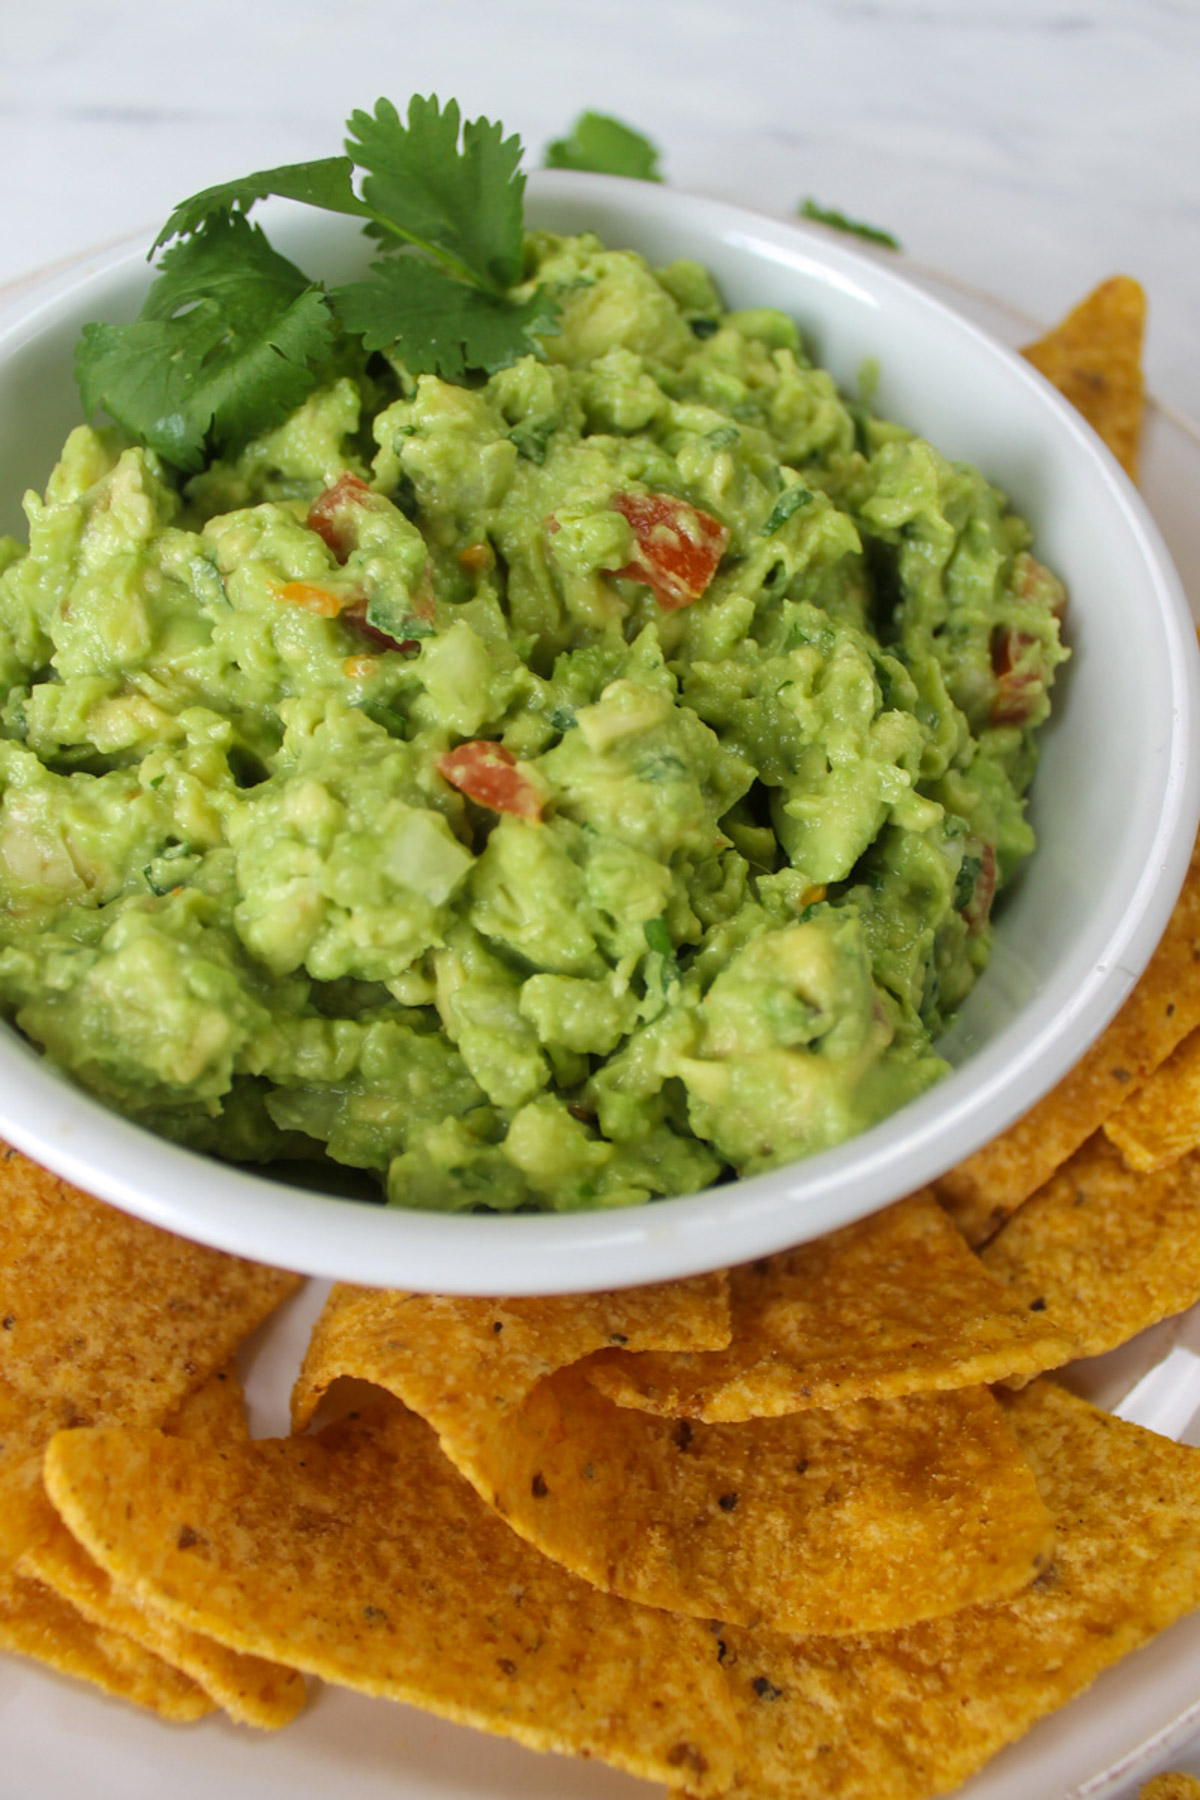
(59, 1739)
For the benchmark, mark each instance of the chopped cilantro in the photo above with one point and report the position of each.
(601, 145)
(829, 215)
(964, 885)
(658, 938)
(663, 965)
(789, 502)
(233, 336)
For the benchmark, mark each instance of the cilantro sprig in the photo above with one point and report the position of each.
(233, 336)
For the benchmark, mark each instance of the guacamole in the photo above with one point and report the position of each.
(554, 791)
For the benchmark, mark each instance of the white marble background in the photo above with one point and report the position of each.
(1030, 147)
(1027, 147)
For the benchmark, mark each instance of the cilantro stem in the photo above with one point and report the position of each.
(451, 263)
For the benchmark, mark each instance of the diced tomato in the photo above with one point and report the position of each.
(975, 912)
(679, 547)
(1032, 580)
(489, 774)
(1019, 676)
(331, 514)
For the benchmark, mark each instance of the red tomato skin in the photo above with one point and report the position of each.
(489, 774)
(978, 908)
(679, 547)
(327, 515)
(1017, 688)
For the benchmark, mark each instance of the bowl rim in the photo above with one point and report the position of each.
(253, 1215)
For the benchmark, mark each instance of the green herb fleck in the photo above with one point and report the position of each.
(964, 885)
(789, 502)
(601, 145)
(829, 215)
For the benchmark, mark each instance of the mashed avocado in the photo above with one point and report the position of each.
(554, 792)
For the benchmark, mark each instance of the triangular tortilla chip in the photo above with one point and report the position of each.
(250, 1689)
(1094, 359)
(106, 1318)
(1161, 1122)
(857, 1519)
(1103, 1250)
(36, 1622)
(894, 1304)
(1163, 1008)
(103, 1319)
(361, 1556)
(913, 1713)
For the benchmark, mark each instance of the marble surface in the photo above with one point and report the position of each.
(1026, 148)
(1030, 147)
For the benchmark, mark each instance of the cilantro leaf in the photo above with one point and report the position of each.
(435, 323)
(463, 206)
(829, 215)
(232, 336)
(327, 183)
(601, 145)
(222, 349)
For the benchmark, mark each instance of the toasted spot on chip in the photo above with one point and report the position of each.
(361, 1556)
(904, 1715)
(853, 1519)
(1106, 1251)
(36, 1622)
(1162, 1009)
(1161, 1122)
(250, 1689)
(1094, 359)
(894, 1304)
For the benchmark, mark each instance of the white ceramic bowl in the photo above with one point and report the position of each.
(1115, 801)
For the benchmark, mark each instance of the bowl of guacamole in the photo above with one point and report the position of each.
(585, 820)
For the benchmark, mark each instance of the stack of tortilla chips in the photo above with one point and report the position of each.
(813, 1525)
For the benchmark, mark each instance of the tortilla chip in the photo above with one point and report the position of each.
(881, 1512)
(1161, 1122)
(36, 1622)
(102, 1319)
(361, 1556)
(107, 1318)
(1103, 1250)
(22, 1501)
(249, 1689)
(481, 1357)
(895, 1304)
(1094, 359)
(1163, 1008)
(913, 1713)
(1172, 1786)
